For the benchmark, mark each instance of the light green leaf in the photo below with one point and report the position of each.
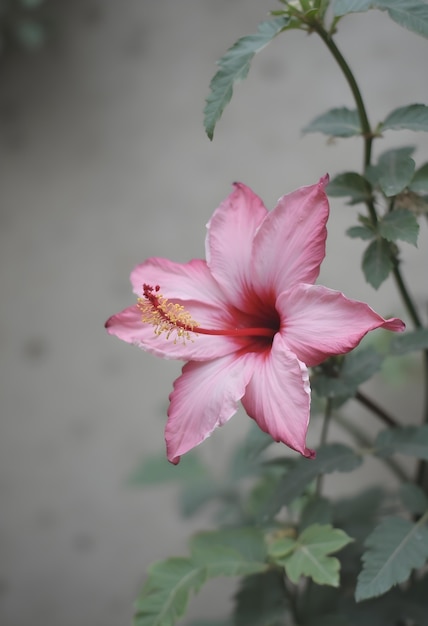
(400, 224)
(412, 341)
(165, 595)
(230, 552)
(412, 117)
(350, 184)
(334, 457)
(155, 470)
(411, 14)
(281, 547)
(311, 555)
(408, 440)
(341, 122)
(261, 600)
(377, 262)
(343, 7)
(413, 498)
(395, 547)
(419, 182)
(234, 66)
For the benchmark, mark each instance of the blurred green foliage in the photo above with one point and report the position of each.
(21, 25)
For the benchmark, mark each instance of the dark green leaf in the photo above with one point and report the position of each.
(165, 595)
(198, 493)
(340, 122)
(358, 367)
(395, 547)
(360, 232)
(400, 224)
(358, 514)
(419, 182)
(261, 600)
(230, 552)
(155, 470)
(413, 498)
(395, 172)
(334, 457)
(317, 510)
(311, 555)
(234, 66)
(350, 184)
(377, 262)
(211, 622)
(408, 440)
(412, 341)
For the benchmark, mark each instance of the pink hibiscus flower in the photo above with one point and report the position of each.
(249, 320)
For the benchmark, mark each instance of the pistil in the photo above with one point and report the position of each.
(170, 317)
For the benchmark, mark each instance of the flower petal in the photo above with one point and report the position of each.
(178, 281)
(278, 397)
(205, 396)
(290, 245)
(229, 240)
(317, 322)
(128, 326)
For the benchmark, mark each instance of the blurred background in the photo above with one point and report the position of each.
(104, 162)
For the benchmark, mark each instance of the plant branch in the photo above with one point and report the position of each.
(369, 404)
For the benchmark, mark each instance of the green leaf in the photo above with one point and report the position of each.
(400, 224)
(377, 262)
(411, 14)
(234, 66)
(408, 440)
(350, 184)
(198, 493)
(261, 600)
(343, 7)
(412, 341)
(281, 547)
(230, 552)
(155, 470)
(395, 547)
(413, 498)
(311, 555)
(334, 457)
(396, 170)
(419, 182)
(360, 232)
(211, 622)
(358, 367)
(165, 595)
(317, 510)
(412, 117)
(341, 122)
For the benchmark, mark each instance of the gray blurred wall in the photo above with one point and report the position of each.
(104, 162)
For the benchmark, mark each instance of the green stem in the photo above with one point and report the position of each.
(323, 438)
(401, 286)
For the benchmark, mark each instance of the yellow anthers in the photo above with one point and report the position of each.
(166, 317)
